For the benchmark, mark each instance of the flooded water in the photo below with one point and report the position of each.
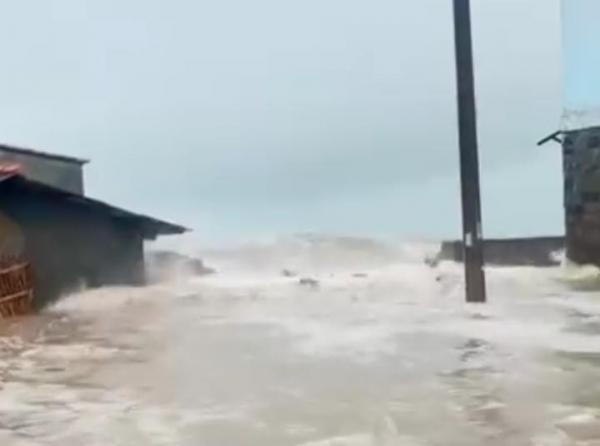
(390, 356)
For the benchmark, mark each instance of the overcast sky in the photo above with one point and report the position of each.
(245, 118)
(581, 61)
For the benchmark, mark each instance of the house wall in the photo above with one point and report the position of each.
(12, 240)
(581, 170)
(70, 246)
(63, 174)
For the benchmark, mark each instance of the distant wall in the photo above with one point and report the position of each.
(62, 174)
(537, 251)
(70, 246)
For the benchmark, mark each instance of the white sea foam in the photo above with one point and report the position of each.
(380, 350)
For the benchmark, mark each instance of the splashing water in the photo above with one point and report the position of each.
(382, 351)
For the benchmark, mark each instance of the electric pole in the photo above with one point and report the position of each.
(469, 162)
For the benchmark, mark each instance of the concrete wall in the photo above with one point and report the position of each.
(62, 174)
(581, 169)
(70, 246)
(538, 251)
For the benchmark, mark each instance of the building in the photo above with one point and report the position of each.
(581, 170)
(580, 129)
(581, 192)
(68, 238)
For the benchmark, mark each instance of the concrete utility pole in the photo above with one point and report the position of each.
(469, 162)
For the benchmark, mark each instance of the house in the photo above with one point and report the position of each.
(67, 238)
(581, 172)
(580, 131)
(581, 192)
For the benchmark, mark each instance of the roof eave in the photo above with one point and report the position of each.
(42, 154)
(149, 225)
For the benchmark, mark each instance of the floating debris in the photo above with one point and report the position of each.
(309, 282)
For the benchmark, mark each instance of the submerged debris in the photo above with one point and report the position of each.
(432, 262)
(309, 282)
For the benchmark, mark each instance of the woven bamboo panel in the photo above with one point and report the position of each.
(16, 287)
